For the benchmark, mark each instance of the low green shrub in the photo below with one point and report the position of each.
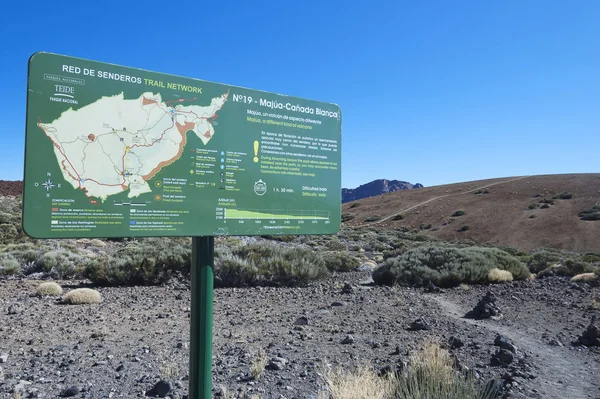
(591, 258)
(336, 245)
(348, 216)
(447, 266)
(532, 206)
(563, 196)
(8, 265)
(267, 264)
(398, 217)
(542, 260)
(61, 263)
(592, 213)
(340, 261)
(355, 205)
(459, 213)
(373, 218)
(463, 228)
(141, 262)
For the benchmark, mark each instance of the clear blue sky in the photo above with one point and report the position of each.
(432, 91)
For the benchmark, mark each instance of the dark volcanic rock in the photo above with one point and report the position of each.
(160, 389)
(485, 308)
(348, 289)
(432, 287)
(504, 343)
(502, 357)
(69, 392)
(455, 342)
(591, 336)
(277, 363)
(376, 187)
(420, 324)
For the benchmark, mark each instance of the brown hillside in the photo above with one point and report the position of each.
(500, 216)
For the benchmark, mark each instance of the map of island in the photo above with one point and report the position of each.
(116, 144)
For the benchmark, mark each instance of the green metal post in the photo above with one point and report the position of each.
(203, 249)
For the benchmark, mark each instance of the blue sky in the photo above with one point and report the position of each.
(431, 92)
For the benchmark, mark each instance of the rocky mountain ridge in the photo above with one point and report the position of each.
(376, 187)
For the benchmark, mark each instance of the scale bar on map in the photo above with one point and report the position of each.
(128, 204)
(279, 214)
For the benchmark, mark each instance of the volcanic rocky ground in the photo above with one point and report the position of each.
(138, 336)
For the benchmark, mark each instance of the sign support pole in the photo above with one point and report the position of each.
(200, 384)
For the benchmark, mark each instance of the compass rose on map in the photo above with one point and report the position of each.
(47, 184)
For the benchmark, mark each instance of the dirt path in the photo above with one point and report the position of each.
(561, 373)
(442, 196)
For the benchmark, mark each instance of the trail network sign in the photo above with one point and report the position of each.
(112, 151)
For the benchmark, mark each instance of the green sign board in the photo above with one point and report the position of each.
(113, 151)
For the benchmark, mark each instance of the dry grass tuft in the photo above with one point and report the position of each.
(49, 288)
(258, 365)
(431, 374)
(584, 277)
(464, 287)
(499, 276)
(97, 243)
(81, 296)
(361, 383)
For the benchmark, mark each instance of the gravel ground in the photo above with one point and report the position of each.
(138, 336)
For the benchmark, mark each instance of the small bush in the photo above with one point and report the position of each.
(354, 205)
(546, 201)
(61, 263)
(584, 277)
(97, 243)
(591, 258)
(336, 245)
(8, 233)
(373, 218)
(545, 206)
(463, 228)
(398, 217)
(432, 375)
(499, 276)
(459, 213)
(267, 264)
(532, 206)
(591, 214)
(554, 270)
(348, 216)
(480, 191)
(258, 365)
(81, 296)
(340, 261)
(8, 265)
(49, 288)
(541, 260)
(360, 383)
(447, 266)
(143, 262)
(563, 196)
